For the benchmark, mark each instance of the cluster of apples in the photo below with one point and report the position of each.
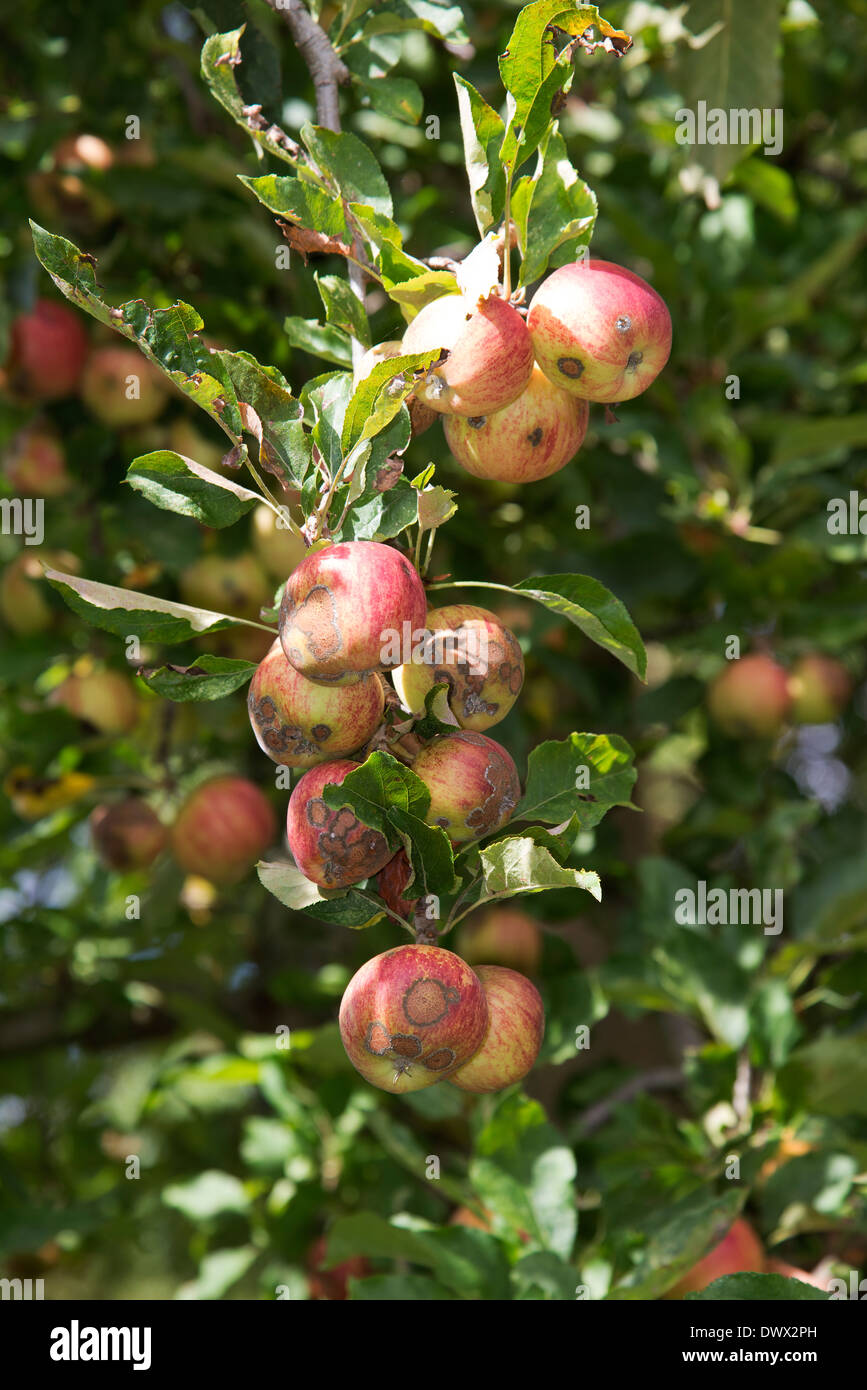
(756, 696)
(350, 613)
(515, 393)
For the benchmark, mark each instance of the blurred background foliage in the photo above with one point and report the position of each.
(152, 1033)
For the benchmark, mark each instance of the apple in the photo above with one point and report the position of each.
(333, 1283)
(501, 936)
(104, 698)
(820, 688)
(277, 548)
(299, 724)
(739, 1252)
(35, 463)
(348, 610)
(793, 1272)
(750, 696)
(390, 883)
(221, 830)
(127, 834)
(120, 387)
(530, 439)
(22, 601)
(516, 1026)
(48, 351)
(232, 584)
(473, 784)
(599, 331)
(481, 664)
(184, 438)
(420, 415)
(411, 1016)
(83, 152)
(490, 356)
(333, 848)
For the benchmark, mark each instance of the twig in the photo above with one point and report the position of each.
(662, 1079)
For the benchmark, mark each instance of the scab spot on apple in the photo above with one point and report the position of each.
(428, 1001)
(316, 620)
(570, 366)
(440, 1060)
(406, 1045)
(476, 422)
(349, 849)
(377, 1039)
(535, 439)
(623, 323)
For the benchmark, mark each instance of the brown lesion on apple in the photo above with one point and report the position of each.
(313, 623)
(350, 851)
(634, 360)
(534, 439)
(466, 682)
(477, 422)
(283, 738)
(571, 367)
(441, 1060)
(428, 1000)
(502, 797)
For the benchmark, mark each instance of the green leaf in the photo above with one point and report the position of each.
(276, 419)
(345, 907)
(675, 1237)
(221, 55)
(590, 606)
(343, 308)
(378, 398)
(207, 1195)
(301, 202)
(218, 1272)
(483, 130)
(373, 788)
(178, 484)
(127, 613)
(380, 516)
(319, 340)
(519, 864)
(526, 1174)
(758, 1288)
(384, 244)
(398, 1288)
(398, 98)
(543, 1275)
(350, 166)
(430, 854)
(829, 1075)
(554, 211)
(440, 18)
(551, 794)
(211, 678)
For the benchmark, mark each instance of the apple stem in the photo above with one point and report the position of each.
(426, 932)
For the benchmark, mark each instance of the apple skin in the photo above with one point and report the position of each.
(106, 699)
(299, 724)
(277, 548)
(340, 605)
(599, 331)
(332, 1284)
(820, 688)
(35, 463)
(233, 584)
(104, 387)
(333, 848)
(421, 417)
(530, 439)
(83, 152)
(793, 1272)
(411, 1016)
(490, 359)
(478, 698)
(739, 1252)
(48, 351)
(501, 936)
(473, 784)
(127, 834)
(516, 1027)
(222, 829)
(750, 696)
(23, 589)
(390, 883)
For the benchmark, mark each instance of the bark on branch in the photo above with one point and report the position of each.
(326, 69)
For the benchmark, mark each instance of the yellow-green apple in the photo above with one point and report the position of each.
(184, 438)
(350, 609)
(473, 784)
(530, 439)
(121, 387)
(472, 652)
(222, 829)
(276, 547)
(104, 698)
(750, 696)
(490, 356)
(333, 848)
(35, 463)
(501, 936)
(127, 834)
(516, 1026)
(299, 723)
(233, 584)
(22, 589)
(421, 416)
(599, 331)
(411, 1016)
(390, 883)
(48, 348)
(820, 688)
(739, 1252)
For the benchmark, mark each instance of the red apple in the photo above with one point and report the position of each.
(333, 848)
(299, 724)
(350, 609)
(516, 1026)
(750, 696)
(793, 1272)
(35, 463)
(411, 1016)
(120, 387)
(222, 829)
(820, 688)
(739, 1252)
(599, 331)
(490, 356)
(48, 350)
(476, 656)
(501, 936)
(533, 437)
(104, 698)
(473, 784)
(332, 1284)
(127, 834)
(390, 883)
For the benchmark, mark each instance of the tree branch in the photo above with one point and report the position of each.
(662, 1079)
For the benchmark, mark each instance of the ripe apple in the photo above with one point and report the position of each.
(22, 589)
(820, 688)
(481, 664)
(276, 547)
(739, 1252)
(490, 356)
(411, 1016)
(127, 834)
(533, 437)
(599, 331)
(793, 1272)
(233, 584)
(120, 387)
(420, 415)
(83, 152)
(750, 696)
(222, 828)
(184, 438)
(348, 609)
(48, 351)
(332, 1284)
(473, 784)
(333, 848)
(501, 936)
(390, 883)
(35, 463)
(299, 724)
(104, 698)
(516, 1026)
